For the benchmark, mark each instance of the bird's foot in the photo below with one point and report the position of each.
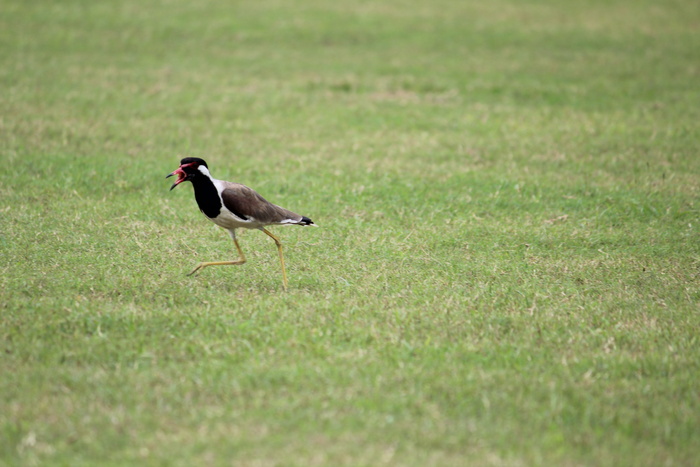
(203, 265)
(197, 268)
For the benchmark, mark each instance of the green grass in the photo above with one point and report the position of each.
(507, 270)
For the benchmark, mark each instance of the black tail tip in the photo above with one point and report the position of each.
(306, 221)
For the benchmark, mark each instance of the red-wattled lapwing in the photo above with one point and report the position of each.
(232, 206)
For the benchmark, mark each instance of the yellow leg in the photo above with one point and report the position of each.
(279, 249)
(240, 260)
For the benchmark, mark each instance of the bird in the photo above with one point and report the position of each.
(232, 206)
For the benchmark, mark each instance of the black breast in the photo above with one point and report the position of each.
(207, 197)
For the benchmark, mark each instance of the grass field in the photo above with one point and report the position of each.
(507, 269)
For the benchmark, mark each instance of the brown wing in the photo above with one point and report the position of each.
(247, 204)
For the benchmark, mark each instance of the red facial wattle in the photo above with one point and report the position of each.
(181, 175)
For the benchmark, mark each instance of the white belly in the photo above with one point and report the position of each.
(228, 220)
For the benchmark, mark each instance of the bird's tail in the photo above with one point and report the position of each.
(306, 221)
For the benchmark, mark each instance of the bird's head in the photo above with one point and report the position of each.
(189, 168)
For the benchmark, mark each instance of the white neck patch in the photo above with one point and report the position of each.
(204, 170)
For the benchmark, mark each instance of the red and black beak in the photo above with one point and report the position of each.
(181, 176)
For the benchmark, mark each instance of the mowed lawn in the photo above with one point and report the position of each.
(507, 269)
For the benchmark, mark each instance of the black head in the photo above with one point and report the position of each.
(189, 168)
(193, 161)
